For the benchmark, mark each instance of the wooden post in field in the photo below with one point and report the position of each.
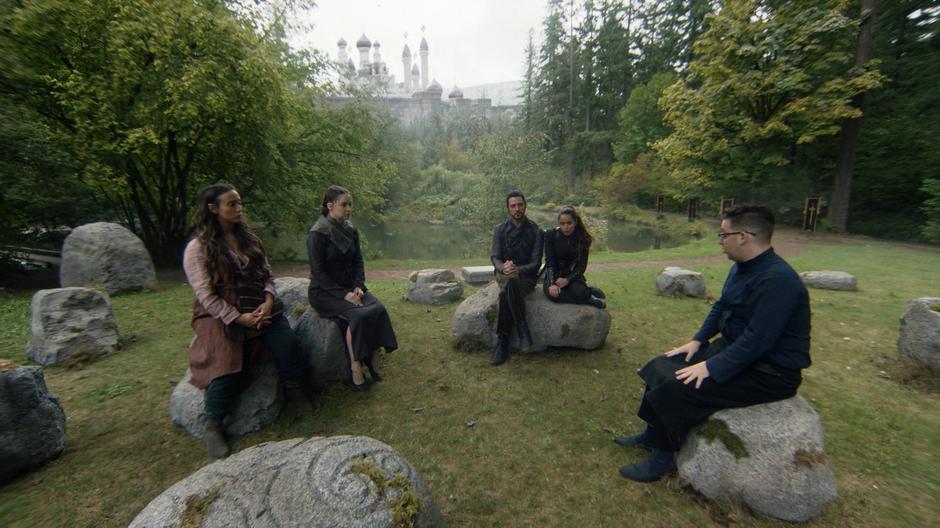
(811, 208)
(727, 202)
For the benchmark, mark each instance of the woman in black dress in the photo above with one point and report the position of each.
(566, 257)
(338, 288)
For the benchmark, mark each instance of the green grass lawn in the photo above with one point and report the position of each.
(540, 451)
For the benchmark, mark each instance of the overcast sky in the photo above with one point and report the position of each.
(471, 42)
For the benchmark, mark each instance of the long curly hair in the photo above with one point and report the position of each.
(581, 235)
(209, 231)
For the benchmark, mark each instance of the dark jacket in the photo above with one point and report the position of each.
(521, 244)
(563, 258)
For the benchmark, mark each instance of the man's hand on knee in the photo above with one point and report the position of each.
(689, 349)
(697, 373)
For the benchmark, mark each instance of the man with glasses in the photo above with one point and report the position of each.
(763, 319)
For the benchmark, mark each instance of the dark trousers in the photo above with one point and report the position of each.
(673, 408)
(284, 345)
(576, 292)
(512, 302)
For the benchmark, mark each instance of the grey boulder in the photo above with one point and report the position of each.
(919, 338)
(327, 482)
(829, 280)
(257, 406)
(319, 337)
(32, 422)
(677, 281)
(769, 457)
(106, 255)
(433, 286)
(70, 322)
(323, 344)
(293, 293)
(551, 324)
(477, 275)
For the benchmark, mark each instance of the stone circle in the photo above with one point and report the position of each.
(257, 406)
(829, 280)
(919, 336)
(318, 482)
(108, 256)
(70, 324)
(677, 281)
(32, 422)
(477, 275)
(769, 457)
(551, 324)
(433, 286)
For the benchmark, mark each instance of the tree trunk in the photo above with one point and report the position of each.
(841, 188)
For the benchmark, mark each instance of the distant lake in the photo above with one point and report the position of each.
(420, 241)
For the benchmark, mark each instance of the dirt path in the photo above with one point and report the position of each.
(787, 242)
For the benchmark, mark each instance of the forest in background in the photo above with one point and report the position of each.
(123, 110)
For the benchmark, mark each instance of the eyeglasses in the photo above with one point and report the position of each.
(722, 236)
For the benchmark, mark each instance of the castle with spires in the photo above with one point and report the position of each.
(415, 98)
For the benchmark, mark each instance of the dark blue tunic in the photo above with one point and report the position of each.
(764, 319)
(763, 314)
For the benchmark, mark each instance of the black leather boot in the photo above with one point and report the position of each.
(597, 292)
(525, 338)
(501, 354)
(597, 302)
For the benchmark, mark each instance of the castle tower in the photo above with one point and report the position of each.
(435, 91)
(363, 44)
(424, 62)
(376, 58)
(455, 95)
(342, 56)
(415, 78)
(406, 61)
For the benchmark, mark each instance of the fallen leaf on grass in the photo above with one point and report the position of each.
(417, 409)
(471, 423)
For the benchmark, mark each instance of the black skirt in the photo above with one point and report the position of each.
(675, 408)
(370, 324)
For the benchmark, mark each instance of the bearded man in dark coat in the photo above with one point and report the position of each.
(516, 255)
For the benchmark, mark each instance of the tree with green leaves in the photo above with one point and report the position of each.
(769, 78)
(899, 144)
(148, 100)
(641, 119)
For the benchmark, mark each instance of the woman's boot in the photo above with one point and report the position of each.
(215, 439)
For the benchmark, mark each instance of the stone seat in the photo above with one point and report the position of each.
(71, 325)
(477, 275)
(677, 281)
(433, 286)
(320, 337)
(258, 404)
(320, 481)
(919, 334)
(769, 457)
(32, 422)
(552, 325)
(829, 280)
